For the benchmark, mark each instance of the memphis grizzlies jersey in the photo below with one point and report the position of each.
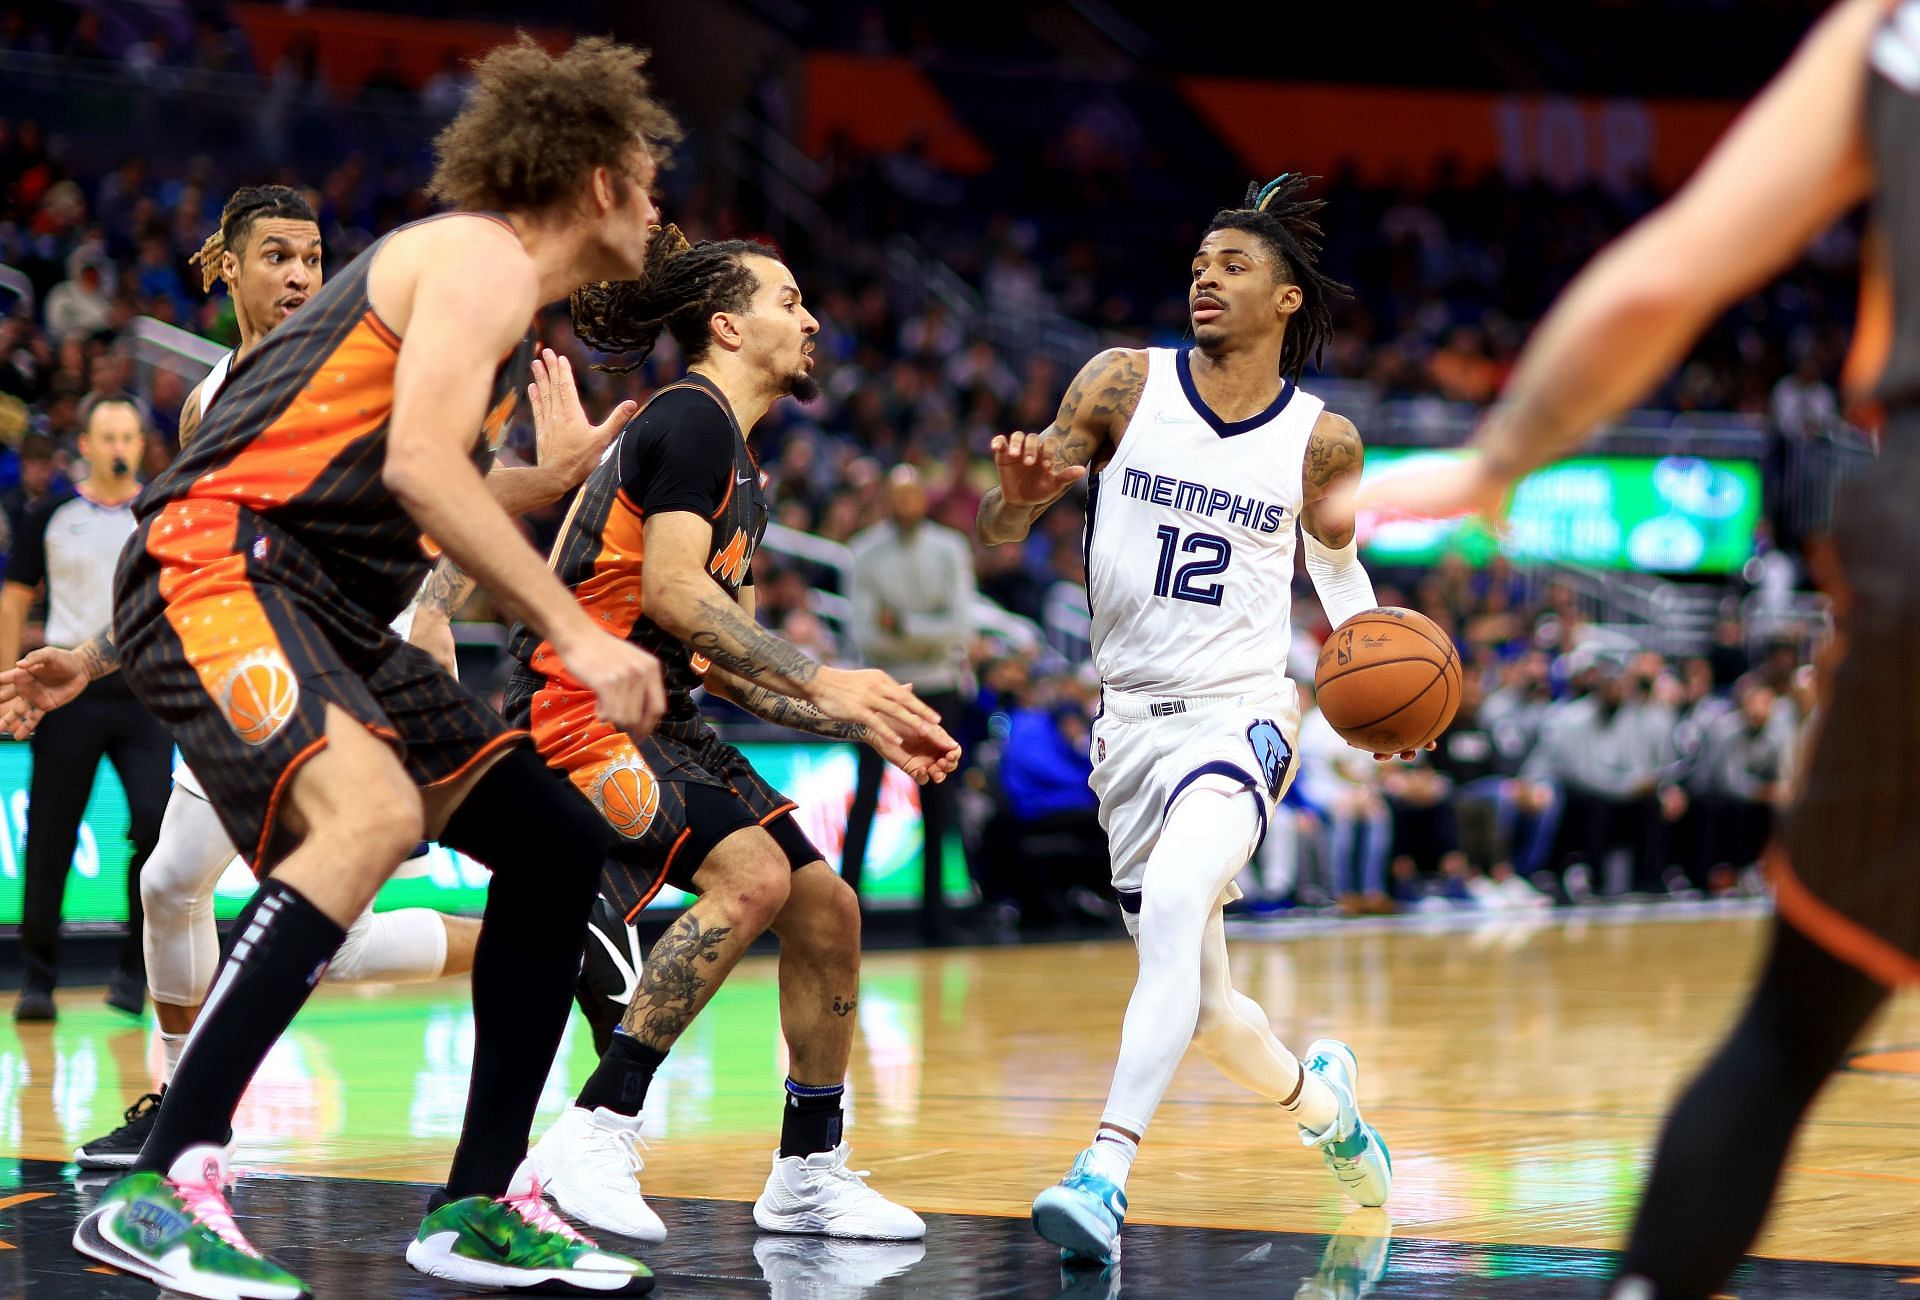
(1190, 536)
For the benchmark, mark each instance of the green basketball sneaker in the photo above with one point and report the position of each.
(516, 1243)
(177, 1231)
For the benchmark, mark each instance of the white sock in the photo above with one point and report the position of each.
(1113, 1155)
(171, 1045)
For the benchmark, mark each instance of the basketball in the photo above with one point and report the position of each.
(1388, 680)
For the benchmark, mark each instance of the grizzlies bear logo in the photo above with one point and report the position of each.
(1272, 753)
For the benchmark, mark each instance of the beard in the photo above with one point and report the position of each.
(803, 386)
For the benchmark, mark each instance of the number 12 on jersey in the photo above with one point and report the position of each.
(1216, 553)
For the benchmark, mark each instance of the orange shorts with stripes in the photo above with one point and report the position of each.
(232, 635)
(667, 798)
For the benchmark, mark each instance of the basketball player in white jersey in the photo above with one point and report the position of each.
(1204, 460)
(268, 252)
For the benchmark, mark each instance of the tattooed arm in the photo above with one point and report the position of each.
(444, 592)
(781, 710)
(99, 656)
(776, 706)
(1334, 460)
(925, 755)
(52, 676)
(679, 595)
(1036, 469)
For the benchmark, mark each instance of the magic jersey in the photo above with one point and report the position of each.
(1190, 539)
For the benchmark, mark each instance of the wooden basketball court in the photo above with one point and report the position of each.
(1517, 1066)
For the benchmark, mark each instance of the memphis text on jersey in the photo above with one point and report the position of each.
(1199, 499)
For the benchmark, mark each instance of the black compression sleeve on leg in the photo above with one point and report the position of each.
(544, 843)
(281, 945)
(1726, 1139)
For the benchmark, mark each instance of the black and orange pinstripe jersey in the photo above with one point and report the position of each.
(298, 436)
(684, 451)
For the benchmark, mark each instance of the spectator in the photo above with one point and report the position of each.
(912, 616)
(79, 306)
(1345, 785)
(39, 478)
(1612, 760)
(1740, 778)
(1044, 852)
(1488, 804)
(1803, 405)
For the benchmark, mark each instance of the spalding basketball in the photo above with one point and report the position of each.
(1388, 680)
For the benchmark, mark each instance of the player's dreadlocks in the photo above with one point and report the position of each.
(681, 288)
(1279, 213)
(250, 203)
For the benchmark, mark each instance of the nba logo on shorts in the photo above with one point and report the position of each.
(1100, 747)
(627, 795)
(1270, 750)
(259, 696)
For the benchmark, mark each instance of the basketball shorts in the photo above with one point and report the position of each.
(668, 798)
(234, 636)
(183, 775)
(1846, 870)
(1149, 749)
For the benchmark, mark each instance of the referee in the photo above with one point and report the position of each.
(71, 545)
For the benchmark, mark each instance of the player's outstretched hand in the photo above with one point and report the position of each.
(41, 682)
(926, 755)
(563, 439)
(628, 687)
(1468, 486)
(888, 710)
(1032, 470)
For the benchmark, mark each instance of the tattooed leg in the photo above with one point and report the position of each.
(680, 975)
(742, 886)
(819, 974)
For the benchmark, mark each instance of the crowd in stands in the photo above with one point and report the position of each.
(1572, 771)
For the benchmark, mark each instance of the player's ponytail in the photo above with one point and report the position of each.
(1279, 212)
(207, 261)
(681, 287)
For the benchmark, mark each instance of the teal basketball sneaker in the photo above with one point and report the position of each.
(176, 1230)
(1082, 1213)
(1351, 1147)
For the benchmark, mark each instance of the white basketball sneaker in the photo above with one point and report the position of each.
(818, 1193)
(589, 1162)
(1352, 1148)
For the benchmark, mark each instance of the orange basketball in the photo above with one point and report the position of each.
(1388, 680)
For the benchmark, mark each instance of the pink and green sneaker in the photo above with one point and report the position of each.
(517, 1243)
(176, 1230)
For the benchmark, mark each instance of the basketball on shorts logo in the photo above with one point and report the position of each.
(627, 795)
(259, 696)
